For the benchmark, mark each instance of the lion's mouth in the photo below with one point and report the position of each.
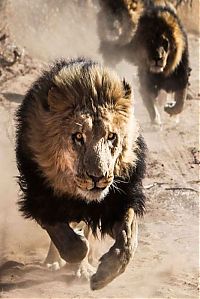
(91, 185)
(157, 66)
(98, 189)
(156, 69)
(94, 194)
(93, 190)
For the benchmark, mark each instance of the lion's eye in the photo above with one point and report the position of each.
(78, 137)
(112, 136)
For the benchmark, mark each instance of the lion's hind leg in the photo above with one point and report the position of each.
(115, 261)
(150, 101)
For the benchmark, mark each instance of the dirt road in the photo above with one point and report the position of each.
(166, 262)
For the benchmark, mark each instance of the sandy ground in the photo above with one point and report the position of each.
(166, 262)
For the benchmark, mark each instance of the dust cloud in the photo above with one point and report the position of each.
(16, 234)
(50, 29)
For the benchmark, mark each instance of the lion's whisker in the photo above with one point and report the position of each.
(117, 188)
(120, 181)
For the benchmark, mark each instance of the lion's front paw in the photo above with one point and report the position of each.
(57, 265)
(85, 271)
(173, 108)
(112, 264)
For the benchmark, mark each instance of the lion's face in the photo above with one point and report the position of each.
(158, 52)
(87, 136)
(94, 146)
(117, 21)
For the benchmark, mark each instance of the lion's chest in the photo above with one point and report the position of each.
(101, 215)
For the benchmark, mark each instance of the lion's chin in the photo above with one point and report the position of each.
(92, 195)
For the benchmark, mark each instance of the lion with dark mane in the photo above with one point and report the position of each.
(81, 158)
(159, 48)
(117, 20)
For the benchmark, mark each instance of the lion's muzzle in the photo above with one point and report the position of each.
(93, 188)
(158, 61)
(93, 183)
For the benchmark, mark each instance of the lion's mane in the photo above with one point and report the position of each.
(38, 143)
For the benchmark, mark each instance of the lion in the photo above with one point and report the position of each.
(117, 20)
(81, 158)
(159, 48)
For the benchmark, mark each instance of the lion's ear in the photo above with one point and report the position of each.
(56, 100)
(127, 89)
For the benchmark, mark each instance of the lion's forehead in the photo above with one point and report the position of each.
(84, 121)
(101, 123)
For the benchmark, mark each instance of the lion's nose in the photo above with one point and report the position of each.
(95, 179)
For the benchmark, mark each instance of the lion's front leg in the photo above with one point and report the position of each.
(176, 107)
(114, 262)
(71, 246)
(149, 100)
(53, 259)
(84, 269)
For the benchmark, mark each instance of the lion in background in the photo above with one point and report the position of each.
(117, 20)
(159, 48)
(81, 158)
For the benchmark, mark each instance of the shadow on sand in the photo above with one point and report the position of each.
(13, 97)
(15, 275)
